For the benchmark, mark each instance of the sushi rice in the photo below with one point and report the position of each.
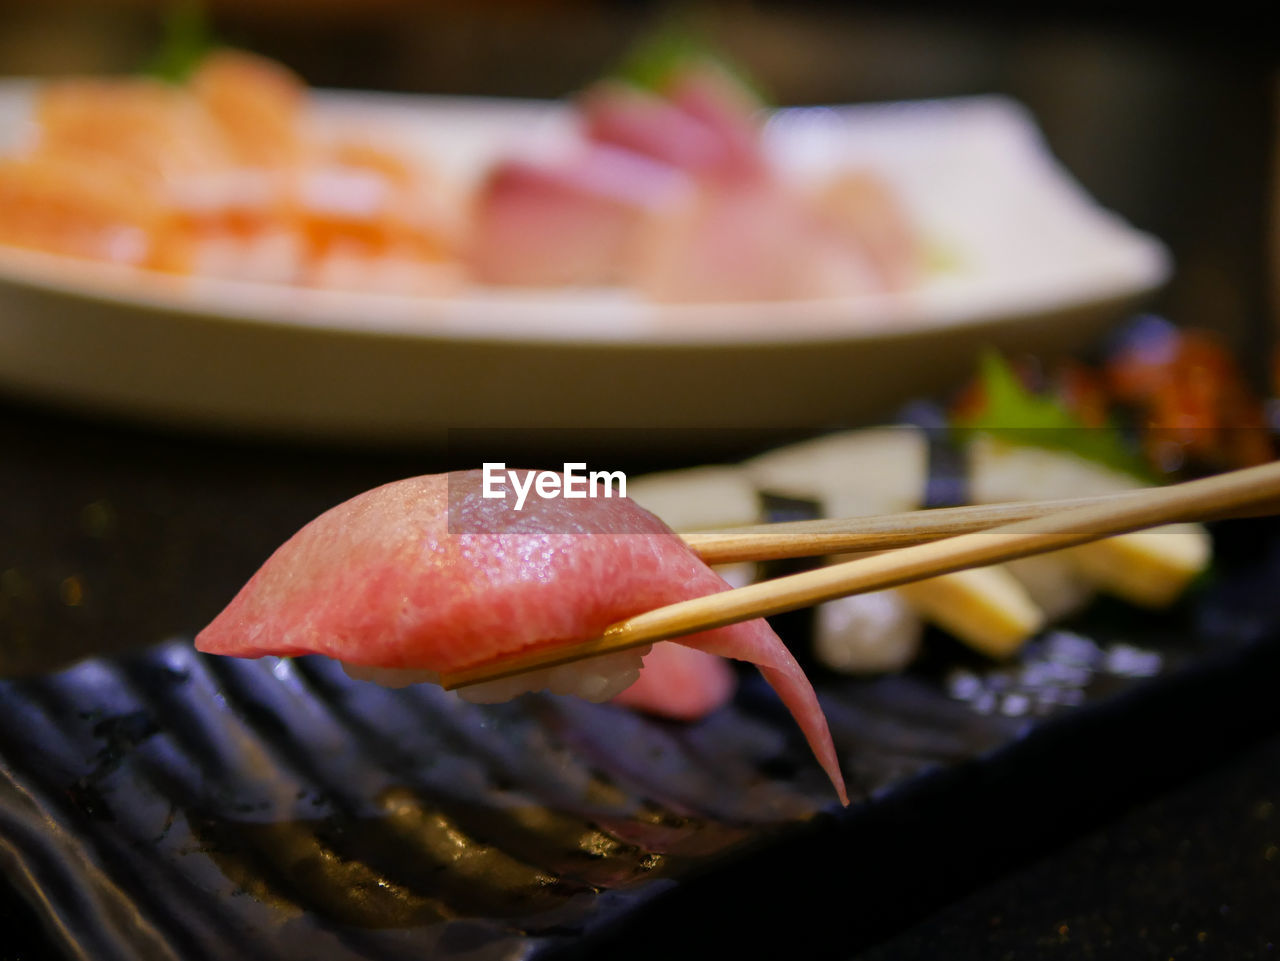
(594, 679)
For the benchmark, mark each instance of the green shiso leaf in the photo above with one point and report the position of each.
(1013, 414)
(185, 41)
(655, 57)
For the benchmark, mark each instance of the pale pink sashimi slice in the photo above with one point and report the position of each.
(382, 581)
(751, 240)
(680, 682)
(864, 208)
(573, 223)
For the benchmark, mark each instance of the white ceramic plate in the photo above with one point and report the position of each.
(1037, 265)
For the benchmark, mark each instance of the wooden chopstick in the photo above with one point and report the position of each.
(881, 532)
(1242, 491)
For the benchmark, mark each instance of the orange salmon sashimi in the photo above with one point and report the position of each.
(257, 105)
(70, 207)
(147, 127)
(382, 583)
(225, 177)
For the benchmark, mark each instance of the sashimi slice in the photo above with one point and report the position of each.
(68, 206)
(710, 94)
(680, 682)
(256, 103)
(146, 127)
(865, 209)
(428, 574)
(573, 223)
(702, 121)
(750, 240)
(635, 120)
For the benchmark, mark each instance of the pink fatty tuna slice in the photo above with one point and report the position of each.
(381, 581)
(709, 94)
(680, 682)
(634, 120)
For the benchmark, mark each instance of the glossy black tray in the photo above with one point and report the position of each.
(171, 805)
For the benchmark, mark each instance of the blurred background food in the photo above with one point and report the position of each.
(1167, 120)
(215, 163)
(1171, 131)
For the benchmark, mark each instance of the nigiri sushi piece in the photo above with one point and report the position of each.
(680, 682)
(699, 499)
(428, 576)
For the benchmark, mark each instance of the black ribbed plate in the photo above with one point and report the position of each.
(173, 805)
